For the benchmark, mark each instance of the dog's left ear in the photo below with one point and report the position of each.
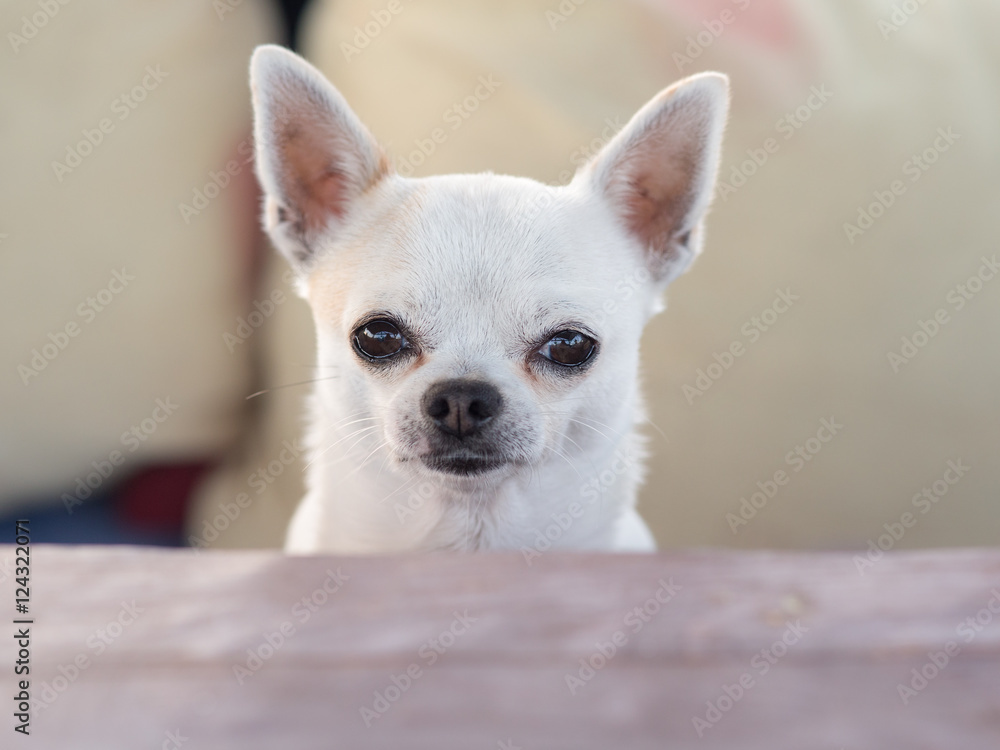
(658, 173)
(314, 158)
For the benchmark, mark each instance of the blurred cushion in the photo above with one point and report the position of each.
(126, 237)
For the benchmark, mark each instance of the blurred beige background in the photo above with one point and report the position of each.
(835, 105)
(114, 115)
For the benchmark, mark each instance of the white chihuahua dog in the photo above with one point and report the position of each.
(478, 335)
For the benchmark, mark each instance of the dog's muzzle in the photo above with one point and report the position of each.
(462, 413)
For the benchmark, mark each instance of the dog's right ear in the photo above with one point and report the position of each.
(313, 155)
(658, 173)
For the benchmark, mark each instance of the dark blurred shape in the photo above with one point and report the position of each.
(292, 12)
(156, 497)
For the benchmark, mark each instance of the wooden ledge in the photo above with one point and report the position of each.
(139, 647)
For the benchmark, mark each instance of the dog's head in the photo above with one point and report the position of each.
(484, 323)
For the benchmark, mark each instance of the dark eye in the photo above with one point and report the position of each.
(379, 339)
(568, 348)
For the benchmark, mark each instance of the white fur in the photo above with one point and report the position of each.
(481, 266)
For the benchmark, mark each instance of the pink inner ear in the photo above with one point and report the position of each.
(314, 184)
(661, 172)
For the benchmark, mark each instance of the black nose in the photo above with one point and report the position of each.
(461, 407)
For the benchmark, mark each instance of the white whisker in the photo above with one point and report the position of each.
(336, 442)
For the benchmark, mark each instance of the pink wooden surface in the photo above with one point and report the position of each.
(161, 632)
